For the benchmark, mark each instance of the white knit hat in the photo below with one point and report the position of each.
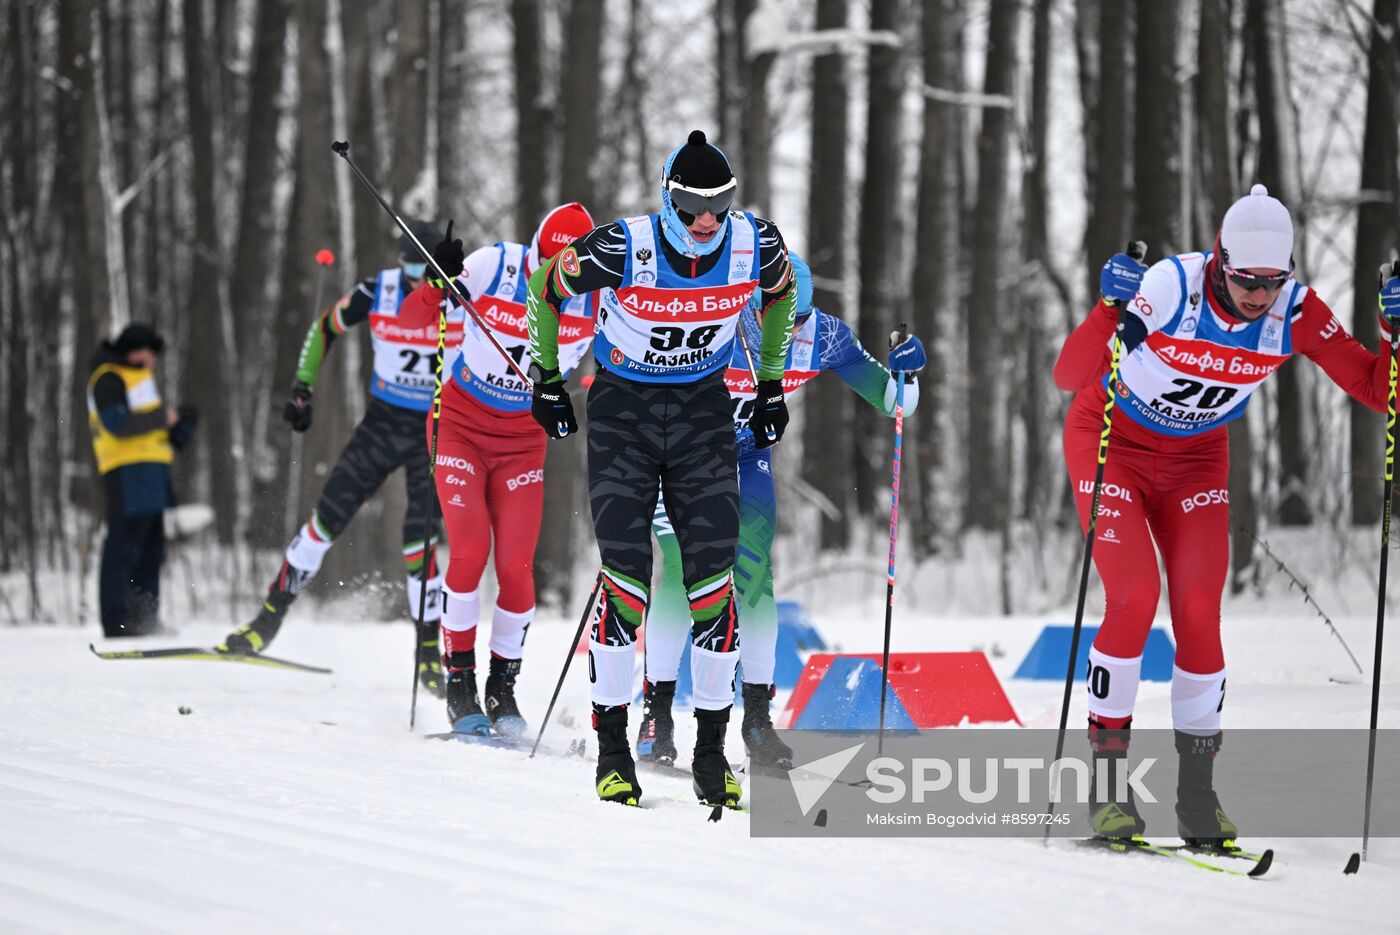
(1257, 233)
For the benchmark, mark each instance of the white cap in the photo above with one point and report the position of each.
(1257, 233)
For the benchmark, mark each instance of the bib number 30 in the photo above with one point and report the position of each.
(669, 337)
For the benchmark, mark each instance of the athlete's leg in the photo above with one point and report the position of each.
(418, 485)
(515, 502)
(668, 631)
(1127, 563)
(626, 422)
(367, 459)
(668, 618)
(753, 566)
(1192, 523)
(461, 476)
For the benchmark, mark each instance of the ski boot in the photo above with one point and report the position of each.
(430, 674)
(463, 710)
(761, 740)
(656, 738)
(1113, 817)
(253, 637)
(500, 699)
(617, 773)
(711, 777)
(1200, 820)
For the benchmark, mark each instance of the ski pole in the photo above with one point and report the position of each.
(1354, 862)
(753, 374)
(324, 259)
(896, 338)
(429, 547)
(342, 149)
(1137, 249)
(578, 635)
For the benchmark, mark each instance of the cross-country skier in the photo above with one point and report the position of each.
(821, 342)
(490, 459)
(659, 412)
(388, 438)
(1200, 333)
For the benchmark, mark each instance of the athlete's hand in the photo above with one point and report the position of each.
(770, 415)
(1390, 291)
(298, 408)
(907, 354)
(1120, 279)
(448, 255)
(551, 406)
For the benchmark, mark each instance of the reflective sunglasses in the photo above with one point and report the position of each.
(690, 203)
(1250, 282)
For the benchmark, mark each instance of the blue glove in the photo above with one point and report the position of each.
(1390, 291)
(1120, 279)
(908, 355)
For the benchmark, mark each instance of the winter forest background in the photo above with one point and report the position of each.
(961, 165)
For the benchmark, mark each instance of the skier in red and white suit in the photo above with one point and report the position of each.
(490, 460)
(1200, 332)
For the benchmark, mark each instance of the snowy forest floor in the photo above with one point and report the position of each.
(286, 801)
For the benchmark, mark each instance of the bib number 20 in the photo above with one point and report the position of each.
(1213, 398)
(668, 337)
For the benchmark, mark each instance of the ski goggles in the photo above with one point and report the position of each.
(1249, 282)
(414, 270)
(690, 203)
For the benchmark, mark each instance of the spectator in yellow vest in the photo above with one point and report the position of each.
(133, 436)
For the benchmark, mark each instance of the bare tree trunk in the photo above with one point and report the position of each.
(1035, 301)
(1157, 127)
(408, 99)
(827, 407)
(933, 428)
(1107, 94)
(531, 115)
(211, 381)
(879, 234)
(1377, 239)
(987, 448)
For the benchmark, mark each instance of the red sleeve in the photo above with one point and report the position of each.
(1086, 355)
(1365, 375)
(421, 307)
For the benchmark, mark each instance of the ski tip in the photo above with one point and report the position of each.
(1262, 865)
(94, 651)
(1353, 863)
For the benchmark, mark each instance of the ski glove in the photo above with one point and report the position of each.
(184, 427)
(551, 406)
(448, 255)
(907, 355)
(298, 408)
(1390, 292)
(770, 415)
(1120, 279)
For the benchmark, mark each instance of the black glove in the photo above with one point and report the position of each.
(770, 415)
(298, 408)
(448, 255)
(551, 406)
(184, 427)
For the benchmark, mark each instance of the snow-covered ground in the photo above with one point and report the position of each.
(291, 802)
